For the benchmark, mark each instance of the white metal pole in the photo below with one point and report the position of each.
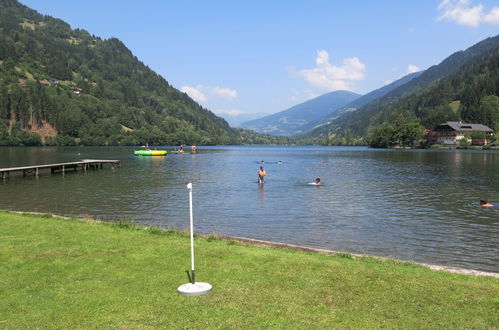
(194, 288)
(193, 279)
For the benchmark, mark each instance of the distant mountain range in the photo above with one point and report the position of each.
(359, 102)
(63, 86)
(465, 86)
(319, 111)
(462, 87)
(291, 121)
(235, 120)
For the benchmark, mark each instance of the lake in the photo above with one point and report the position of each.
(419, 205)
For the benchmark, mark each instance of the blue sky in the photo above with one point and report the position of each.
(246, 59)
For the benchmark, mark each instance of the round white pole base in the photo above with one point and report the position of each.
(196, 289)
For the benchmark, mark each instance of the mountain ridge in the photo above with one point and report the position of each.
(290, 121)
(359, 102)
(423, 97)
(87, 89)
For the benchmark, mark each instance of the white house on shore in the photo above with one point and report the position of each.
(452, 132)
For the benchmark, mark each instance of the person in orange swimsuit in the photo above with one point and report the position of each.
(261, 175)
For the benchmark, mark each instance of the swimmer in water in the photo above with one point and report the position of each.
(485, 203)
(317, 182)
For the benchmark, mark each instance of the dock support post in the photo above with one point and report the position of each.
(36, 171)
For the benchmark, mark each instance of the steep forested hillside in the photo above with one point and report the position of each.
(380, 92)
(291, 121)
(64, 86)
(465, 86)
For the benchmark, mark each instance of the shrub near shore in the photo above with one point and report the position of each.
(57, 273)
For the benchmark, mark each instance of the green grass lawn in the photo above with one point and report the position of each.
(57, 273)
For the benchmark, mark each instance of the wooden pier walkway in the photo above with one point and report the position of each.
(84, 164)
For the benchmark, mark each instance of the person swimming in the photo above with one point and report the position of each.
(317, 182)
(485, 203)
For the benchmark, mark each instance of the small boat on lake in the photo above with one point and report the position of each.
(150, 152)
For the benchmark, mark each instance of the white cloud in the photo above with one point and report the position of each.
(463, 13)
(229, 94)
(330, 77)
(411, 68)
(492, 17)
(201, 93)
(194, 93)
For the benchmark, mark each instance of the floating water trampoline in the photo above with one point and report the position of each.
(150, 152)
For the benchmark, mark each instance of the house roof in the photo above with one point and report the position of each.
(463, 127)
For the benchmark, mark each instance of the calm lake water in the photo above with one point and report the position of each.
(408, 204)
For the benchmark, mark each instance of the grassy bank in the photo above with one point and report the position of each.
(57, 273)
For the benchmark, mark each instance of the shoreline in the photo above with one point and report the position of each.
(277, 245)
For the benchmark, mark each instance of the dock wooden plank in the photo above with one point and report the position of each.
(58, 166)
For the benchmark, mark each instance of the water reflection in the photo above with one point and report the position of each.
(261, 195)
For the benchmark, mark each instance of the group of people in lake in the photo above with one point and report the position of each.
(180, 150)
(262, 174)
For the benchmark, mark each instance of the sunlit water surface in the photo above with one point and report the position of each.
(411, 204)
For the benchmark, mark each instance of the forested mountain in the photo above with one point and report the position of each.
(359, 102)
(465, 86)
(291, 121)
(64, 86)
(380, 92)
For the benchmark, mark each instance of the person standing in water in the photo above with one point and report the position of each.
(261, 175)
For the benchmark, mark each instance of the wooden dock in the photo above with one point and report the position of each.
(84, 164)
